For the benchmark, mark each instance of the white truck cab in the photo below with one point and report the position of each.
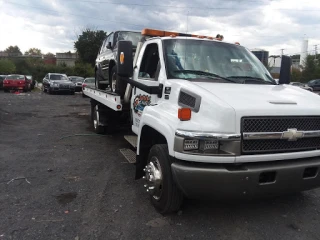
(211, 121)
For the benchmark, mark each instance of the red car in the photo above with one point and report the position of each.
(16, 82)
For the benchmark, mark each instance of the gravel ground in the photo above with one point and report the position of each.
(80, 187)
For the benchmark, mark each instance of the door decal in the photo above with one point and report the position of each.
(140, 101)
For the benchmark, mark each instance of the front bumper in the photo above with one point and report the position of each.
(57, 89)
(197, 180)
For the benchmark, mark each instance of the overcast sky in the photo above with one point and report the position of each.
(53, 25)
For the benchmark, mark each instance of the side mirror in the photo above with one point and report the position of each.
(285, 70)
(109, 45)
(125, 59)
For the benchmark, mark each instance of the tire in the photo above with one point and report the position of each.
(95, 119)
(49, 90)
(116, 83)
(72, 93)
(6, 90)
(166, 197)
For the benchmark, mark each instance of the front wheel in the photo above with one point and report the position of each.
(165, 196)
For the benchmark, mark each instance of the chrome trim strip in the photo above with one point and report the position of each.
(277, 135)
(202, 135)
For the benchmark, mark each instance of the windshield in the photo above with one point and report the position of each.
(76, 79)
(15, 77)
(134, 37)
(204, 60)
(89, 80)
(58, 77)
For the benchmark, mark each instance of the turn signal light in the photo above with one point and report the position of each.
(184, 114)
(121, 58)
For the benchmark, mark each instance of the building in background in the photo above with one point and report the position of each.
(262, 55)
(67, 58)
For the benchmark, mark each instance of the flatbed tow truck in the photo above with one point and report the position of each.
(208, 120)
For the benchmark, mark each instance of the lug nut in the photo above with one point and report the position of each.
(151, 188)
(147, 190)
(145, 185)
(144, 177)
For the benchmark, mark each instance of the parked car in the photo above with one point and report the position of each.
(301, 85)
(77, 81)
(57, 82)
(16, 82)
(88, 82)
(2, 77)
(314, 84)
(32, 81)
(106, 62)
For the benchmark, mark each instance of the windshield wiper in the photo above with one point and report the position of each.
(256, 79)
(207, 74)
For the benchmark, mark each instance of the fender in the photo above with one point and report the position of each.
(149, 118)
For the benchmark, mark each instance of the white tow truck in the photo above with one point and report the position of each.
(208, 120)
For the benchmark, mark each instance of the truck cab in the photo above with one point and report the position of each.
(210, 121)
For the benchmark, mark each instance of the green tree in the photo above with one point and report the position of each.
(88, 45)
(33, 52)
(296, 75)
(7, 66)
(13, 51)
(311, 69)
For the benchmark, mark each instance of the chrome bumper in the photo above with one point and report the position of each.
(197, 180)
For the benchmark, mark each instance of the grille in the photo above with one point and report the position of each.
(186, 99)
(280, 145)
(280, 124)
(64, 86)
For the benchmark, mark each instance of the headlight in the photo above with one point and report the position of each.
(207, 143)
(190, 144)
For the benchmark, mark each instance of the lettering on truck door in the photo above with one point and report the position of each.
(146, 71)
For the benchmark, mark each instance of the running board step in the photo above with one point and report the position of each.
(132, 139)
(129, 155)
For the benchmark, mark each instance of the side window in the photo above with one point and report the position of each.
(150, 64)
(47, 76)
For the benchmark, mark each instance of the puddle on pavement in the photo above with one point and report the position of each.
(65, 198)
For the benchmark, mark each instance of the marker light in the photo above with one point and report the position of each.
(184, 114)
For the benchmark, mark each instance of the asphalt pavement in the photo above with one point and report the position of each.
(58, 180)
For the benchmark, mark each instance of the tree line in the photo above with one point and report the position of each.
(87, 46)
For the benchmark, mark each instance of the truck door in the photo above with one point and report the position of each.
(146, 72)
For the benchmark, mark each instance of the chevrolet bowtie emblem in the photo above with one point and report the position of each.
(292, 134)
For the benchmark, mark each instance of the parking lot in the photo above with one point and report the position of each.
(58, 180)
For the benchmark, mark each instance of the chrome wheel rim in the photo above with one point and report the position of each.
(96, 117)
(153, 177)
(113, 82)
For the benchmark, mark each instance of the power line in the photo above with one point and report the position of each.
(187, 7)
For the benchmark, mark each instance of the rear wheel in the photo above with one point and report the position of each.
(95, 117)
(116, 83)
(165, 196)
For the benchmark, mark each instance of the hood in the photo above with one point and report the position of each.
(264, 100)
